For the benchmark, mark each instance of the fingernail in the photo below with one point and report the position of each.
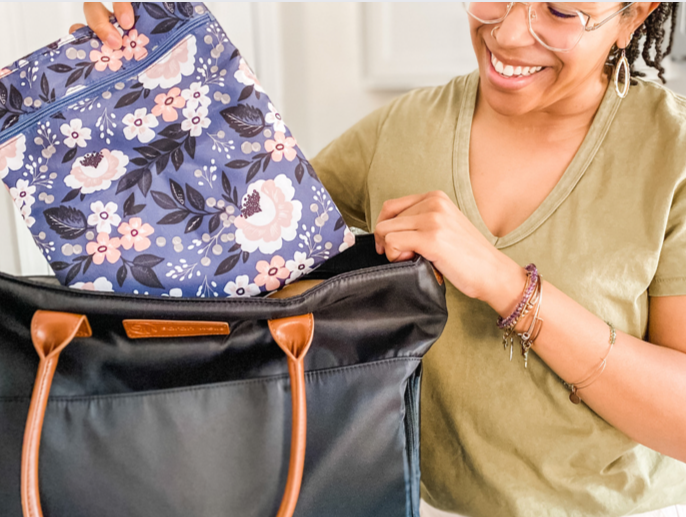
(114, 41)
(126, 20)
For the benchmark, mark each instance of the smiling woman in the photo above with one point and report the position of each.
(539, 157)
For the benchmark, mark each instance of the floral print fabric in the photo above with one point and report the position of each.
(162, 167)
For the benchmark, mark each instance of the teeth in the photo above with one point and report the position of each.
(509, 70)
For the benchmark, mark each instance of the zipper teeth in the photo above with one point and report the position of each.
(106, 83)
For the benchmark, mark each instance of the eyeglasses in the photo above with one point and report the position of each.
(556, 26)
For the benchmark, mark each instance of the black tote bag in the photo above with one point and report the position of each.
(166, 407)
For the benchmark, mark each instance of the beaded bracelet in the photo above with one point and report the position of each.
(527, 338)
(529, 286)
(531, 298)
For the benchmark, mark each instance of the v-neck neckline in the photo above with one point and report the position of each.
(582, 159)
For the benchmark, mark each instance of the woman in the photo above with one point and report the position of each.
(537, 158)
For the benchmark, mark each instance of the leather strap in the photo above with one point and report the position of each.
(294, 336)
(51, 332)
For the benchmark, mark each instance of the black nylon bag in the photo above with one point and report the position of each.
(201, 426)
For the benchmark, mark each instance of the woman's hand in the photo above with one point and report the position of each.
(98, 19)
(431, 225)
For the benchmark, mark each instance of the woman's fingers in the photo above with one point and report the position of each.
(75, 27)
(394, 227)
(124, 13)
(393, 207)
(98, 19)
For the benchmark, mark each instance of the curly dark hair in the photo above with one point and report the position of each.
(648, 40)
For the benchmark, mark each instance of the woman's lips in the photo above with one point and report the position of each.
(513, 81)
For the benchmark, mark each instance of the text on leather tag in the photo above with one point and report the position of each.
(142, 329)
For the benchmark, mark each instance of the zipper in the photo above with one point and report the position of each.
(56, 106)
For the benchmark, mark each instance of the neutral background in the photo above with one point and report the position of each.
(324, 65)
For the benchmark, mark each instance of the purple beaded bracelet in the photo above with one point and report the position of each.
(532, 277)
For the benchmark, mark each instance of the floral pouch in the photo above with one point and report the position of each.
(160, 168)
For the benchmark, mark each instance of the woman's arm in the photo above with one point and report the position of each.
(642, 392)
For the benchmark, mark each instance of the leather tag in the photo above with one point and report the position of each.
(144, 329)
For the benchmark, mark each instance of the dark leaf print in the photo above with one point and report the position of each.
(226, 184)
(128, 99)
(57, 115)
(3, 112)
(67, 222)
(339, 224)
(59, 266)
(227, 264)
(193, 223)
(247, 92)
(215, 221)
(147, 260)
(165, 26)
(139, 161)
(130, 207)
(44, 86)
(137, 85)
(235, 54)
(189, 146)
(172, 131)
(89, 69)
(177, 192)
(3, 94)
(155, 11)
(10, 121)
(161, 163)
(75, 76)
(147, 151)
(169, 6)
(146, 93)
(246, 256)
(163, 200)
(71, 195)
(177, 158)
(87, 263)
(252, 171)
(174, 217)
(16, 100)
(235, 247)
(52, 99)
(146, 276)
(266, 162)
(185, 8)
(60, 68)
(82, 196)
(121, 275)
(70, 155)
(165, 145)
(310, 171)
(238, 164)
(257, 94)
(195, 198)
(145, 182)
(235, 196)
(299, 172)
(245, 120)
(130, 179)
(71, 275)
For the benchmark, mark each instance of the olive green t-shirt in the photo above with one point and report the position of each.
(498, 439)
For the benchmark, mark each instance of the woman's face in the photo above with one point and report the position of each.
(563, 75)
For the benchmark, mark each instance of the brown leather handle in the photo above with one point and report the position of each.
(294, 336)
(51, 332)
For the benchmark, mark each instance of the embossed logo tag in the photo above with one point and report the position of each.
(145, 329)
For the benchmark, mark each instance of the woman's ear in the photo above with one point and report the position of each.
(641, 11)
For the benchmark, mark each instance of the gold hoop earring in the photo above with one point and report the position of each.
(493, 31)
(623, 62)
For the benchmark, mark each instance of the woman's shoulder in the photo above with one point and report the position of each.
(657, 108)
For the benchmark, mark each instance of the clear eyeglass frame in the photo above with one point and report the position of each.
(584, 19)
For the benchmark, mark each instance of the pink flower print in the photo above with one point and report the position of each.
(139, 124)
(245, 75)
(348, 240)
(135, 234)
(96, 171)
(269, 215)
(4, 72)
(134, 45)
(104, 248)
(12, 155)
(169, 70)
(271, 274)
(166, 104)
(281, 146)
(99, 284)
(106, 58)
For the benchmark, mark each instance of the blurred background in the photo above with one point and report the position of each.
(325, 65)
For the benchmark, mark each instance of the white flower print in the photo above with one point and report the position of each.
(274, 118)
(22, 194)
(104, 216)
(139, 124)
(196, 120)
(75, 133)
(99, 284)
(196, 95)
(26, 214)
(170, 69)
(241, 287)
(12, 155)
(245, 75)
(299, 266)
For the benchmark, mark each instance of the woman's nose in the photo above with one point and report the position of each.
(514, 29)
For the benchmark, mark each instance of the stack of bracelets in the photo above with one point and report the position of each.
(531, 301)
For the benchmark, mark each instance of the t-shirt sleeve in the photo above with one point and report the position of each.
(343, 166)
(670, 277)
